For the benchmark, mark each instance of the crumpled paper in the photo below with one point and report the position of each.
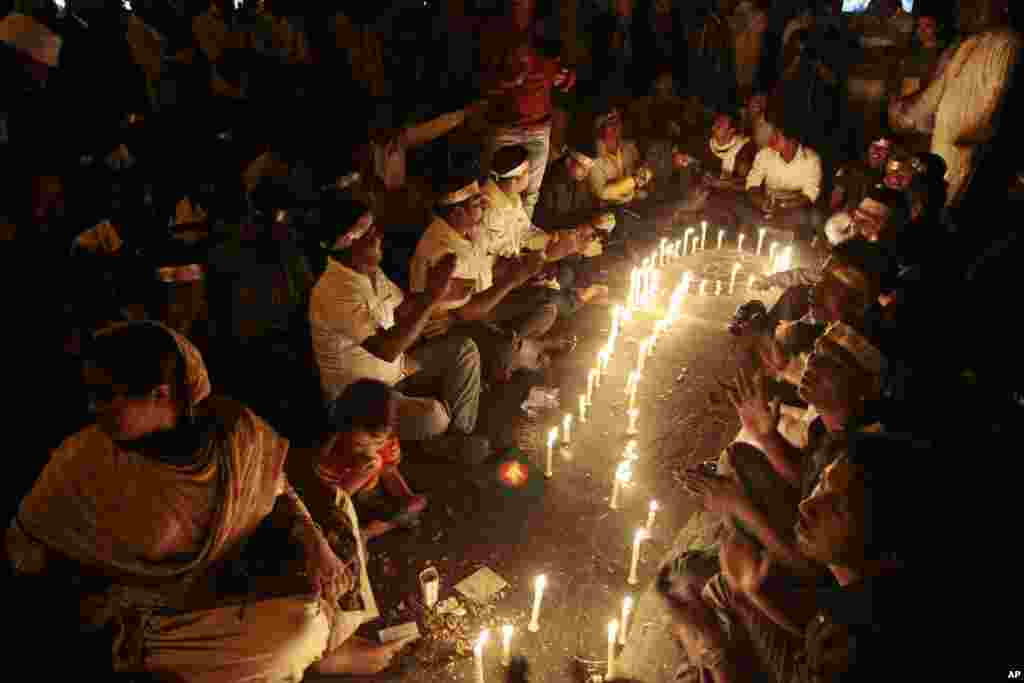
(541, 398)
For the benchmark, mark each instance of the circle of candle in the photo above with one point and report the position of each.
(552, 438)
(742, 237)
(478, 655)
(771, 251)
(633, 415)
(651, 511)
(760, 239)
(538, 594)
(732, 279)
(506, 644)
(613, 632)
(623, 473)
(721, 234)
(567, 428)
(635, 560)
(703, 233)
(583, 409)
(627, 608)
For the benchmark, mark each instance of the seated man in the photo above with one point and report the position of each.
(854, 180)
(725, 162)
(565, 197)
(509, 232)
(784, 184)
(851, 523)
(364, 326)
(617, 176)
(458, 228)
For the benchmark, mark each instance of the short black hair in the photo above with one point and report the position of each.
(141, 356)
(508, 158)
(364, 405)
(897, 202)
(338, 214)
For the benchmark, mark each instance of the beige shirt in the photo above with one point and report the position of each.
(802, 174)
(507, 227)
(611, 167)
(473, 261)
(346, 308)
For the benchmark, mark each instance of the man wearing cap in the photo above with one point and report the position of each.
(566, 197)
(617, 176)
(364, 326)
(853, 180)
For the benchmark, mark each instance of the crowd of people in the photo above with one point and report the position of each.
(240, 201)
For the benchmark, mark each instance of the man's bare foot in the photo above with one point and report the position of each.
(360, 656)
(377, 528)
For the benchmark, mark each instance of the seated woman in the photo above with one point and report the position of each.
(365, 457)
(165, 510)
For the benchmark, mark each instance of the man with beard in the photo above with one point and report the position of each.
(853, 180)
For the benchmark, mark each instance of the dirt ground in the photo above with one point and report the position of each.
(563, 526)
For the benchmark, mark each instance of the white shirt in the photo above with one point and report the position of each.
(472, 260)
(802, 174)
(345, 309)
(507, 227)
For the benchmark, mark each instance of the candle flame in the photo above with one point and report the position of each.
(552, 436)
(627, 603)
(485, 635)
(624, 472)
(540, 582)
(613, 629)
(641, 533)
(654, 506)
(506, 631)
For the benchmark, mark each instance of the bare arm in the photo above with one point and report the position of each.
(410, 319)
(786, 460)
(428, 131)
(778, 544)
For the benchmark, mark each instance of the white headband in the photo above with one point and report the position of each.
(460, 195)
(189, 273)
(357, 232)
(517, 171)
(581, 159)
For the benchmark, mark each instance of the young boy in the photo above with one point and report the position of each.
(364, 460)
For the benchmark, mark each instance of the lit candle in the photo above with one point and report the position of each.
(506, 644)
(687, 279)
(567, 428)
(721, 234)
(771, 251)
(653, 286)
(591, 380)
(703, 286)
(583, 409)
(693, 245)
(732, 280)
(538, 595)
(662, 247)
(637, 540)
(784, 261)
(630, 452)
(616, 320)
(760, 239)
(641, 358)
(478, 655)
(750, 282)
(686, 239)
(718, 288)
(627, 608)
(651, 511)
(623, 473)
(633, 414)
(703, 233)
(742, 237)
(552, 438)
(634, 283)
(631, 386)
(603, 358)
(613, 632)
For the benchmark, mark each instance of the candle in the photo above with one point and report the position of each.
(703, 233)
(784, 261)
(662, 246)
(538, 595)
(732, 280)
(591, 380)
(633, 414)
(686, 239)
(583, 409)
(687, 279)
(633, 284)
(641, 358)
(703, 286)
(760, 239)
(603, 358)
(635, 561)
(506, 644)
(693, 244)
(750, 282)
(651, 511)
(623, 473)
(613, 632)
(740, 240)
(552, 438)
(630, 452)
(631, 386)
(627, 607)
(478, 655)
(567, 428)
(771, 250)
(616, 320)
(721, 234)
(718, 288)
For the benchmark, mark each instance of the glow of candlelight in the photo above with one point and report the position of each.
(633, 415)
(732, 279)
(478, 655)
(662, 248)
(630, 452)
(721, 235)
(631, 386)
(623, 473)
(742, 237)
(613, 632)
(552, 438)
(583, 409)
(760, 239)
(784, 260)
(703, 287)
(627, 608)
(693, 245)
(750, 282)
(538, 594)
(603, 358)
(635, 560)
(718, 287)
(591, 380)
(703, 233)
(651, 511)
(686, 239)
(641, 358)
(771, 251)
(506, 644)
(567, 428)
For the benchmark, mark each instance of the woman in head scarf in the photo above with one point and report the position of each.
(169, 508)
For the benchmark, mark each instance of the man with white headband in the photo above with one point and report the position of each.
(365, 326)
(853, 180)
(566, 197)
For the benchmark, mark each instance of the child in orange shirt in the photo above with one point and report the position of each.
(364, 460)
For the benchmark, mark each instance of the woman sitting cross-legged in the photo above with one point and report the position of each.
(174, 517)
(363, 459)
